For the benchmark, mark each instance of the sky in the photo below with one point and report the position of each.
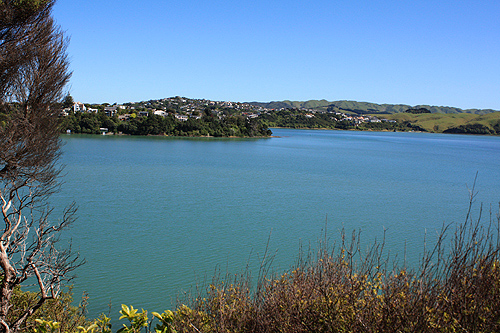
(444, 53)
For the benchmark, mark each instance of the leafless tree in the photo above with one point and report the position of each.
(33, 73)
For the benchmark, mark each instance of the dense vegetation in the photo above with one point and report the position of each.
(60, 310)
(208, 125)
(473, 129)
(294, 118)
(418, 110)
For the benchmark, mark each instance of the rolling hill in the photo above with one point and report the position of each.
(363, 107)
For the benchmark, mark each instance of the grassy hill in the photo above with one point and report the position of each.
(364, 107)
(440, 122)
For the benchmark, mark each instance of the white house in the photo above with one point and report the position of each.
(160, 113)
(181, 117)
(79, 107)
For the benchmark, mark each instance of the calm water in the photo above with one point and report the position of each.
(159, 215)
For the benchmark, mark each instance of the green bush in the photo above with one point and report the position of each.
(60, 310)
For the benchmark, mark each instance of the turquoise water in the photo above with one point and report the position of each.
(159, 215)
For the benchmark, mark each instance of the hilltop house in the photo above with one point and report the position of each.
(110, 111)
(124, 117)
(79, 107)
(160, 113)
(181, 117)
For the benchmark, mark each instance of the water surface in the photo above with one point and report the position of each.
(159, 215)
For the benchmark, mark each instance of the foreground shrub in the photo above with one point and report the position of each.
(456, 288)
(60, 310)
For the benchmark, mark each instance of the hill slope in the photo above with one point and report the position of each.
(363, 107)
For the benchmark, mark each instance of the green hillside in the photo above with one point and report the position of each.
(363, 107)
(452, 123)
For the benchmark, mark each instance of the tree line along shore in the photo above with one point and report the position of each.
(180, 116)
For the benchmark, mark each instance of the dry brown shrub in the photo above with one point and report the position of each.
(455, 288)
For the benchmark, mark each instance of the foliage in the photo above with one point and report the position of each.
(208, 125)
(47, 326)
(469, 129)
(137, 321)
(166, 320)
(294, 118)
(60, 310)
(418, 111)
(68, 101)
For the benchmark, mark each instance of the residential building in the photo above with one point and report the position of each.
(110, 111)
(79, 107)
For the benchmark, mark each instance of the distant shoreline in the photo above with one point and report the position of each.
(372, 130)
(171, 136)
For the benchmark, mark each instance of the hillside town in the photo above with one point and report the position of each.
(183, 108)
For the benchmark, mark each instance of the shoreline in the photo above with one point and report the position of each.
(275, 136)
(174, 136)
(372, 130)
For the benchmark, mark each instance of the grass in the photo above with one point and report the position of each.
(439, 122)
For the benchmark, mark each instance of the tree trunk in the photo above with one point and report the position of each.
(5, 291)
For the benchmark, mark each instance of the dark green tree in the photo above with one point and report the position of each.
(68, 101)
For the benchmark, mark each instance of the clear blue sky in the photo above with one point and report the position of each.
(444, 53)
